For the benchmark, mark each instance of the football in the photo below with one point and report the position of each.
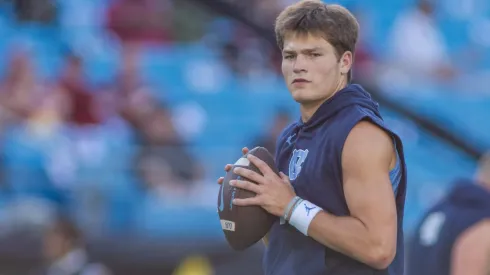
(243, 226)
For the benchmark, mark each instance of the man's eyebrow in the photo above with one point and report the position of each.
(308, 50)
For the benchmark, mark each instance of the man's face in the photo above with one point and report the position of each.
(311, 68)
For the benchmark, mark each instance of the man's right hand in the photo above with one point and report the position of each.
(229, 166)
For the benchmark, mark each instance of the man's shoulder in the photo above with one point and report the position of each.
(477, 233)
(474, 243)
(368, 146)
(349, 117)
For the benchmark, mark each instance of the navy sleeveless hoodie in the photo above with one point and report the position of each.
(430, 250)
(310, 154)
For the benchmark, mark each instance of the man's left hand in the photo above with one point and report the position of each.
(273, 192)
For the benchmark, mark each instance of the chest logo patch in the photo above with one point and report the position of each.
(296, 162)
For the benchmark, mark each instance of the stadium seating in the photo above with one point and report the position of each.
(235, 114)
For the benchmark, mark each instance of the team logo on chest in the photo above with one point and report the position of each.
(296, 162)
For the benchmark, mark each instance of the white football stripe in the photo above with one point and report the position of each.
(242, 162)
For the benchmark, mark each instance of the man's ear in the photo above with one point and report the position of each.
(346, 62)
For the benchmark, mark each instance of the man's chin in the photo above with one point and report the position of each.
(302, 99)
(298, 96)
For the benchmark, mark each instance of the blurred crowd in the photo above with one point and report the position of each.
(68, 134)
(101, 151)
(69, 122)
(98, 152)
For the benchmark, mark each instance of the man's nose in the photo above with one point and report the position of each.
(299, 65)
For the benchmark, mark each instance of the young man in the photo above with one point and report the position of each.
(454, 236)
(344, 214)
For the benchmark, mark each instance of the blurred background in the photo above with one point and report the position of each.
(117, 117)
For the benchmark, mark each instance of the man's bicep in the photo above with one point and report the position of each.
(471, 251)
(366, 160)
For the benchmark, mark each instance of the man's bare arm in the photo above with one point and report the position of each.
(471, 252)
(369, 234)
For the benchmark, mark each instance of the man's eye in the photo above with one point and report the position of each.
(316, 55)
(289, 57)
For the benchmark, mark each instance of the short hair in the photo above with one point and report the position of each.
(333, 22)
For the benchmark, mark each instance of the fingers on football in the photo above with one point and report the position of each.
(284, 177)
(263, 167)
(248, 201)
(245, 150)
(243, 184)
(249, 174)
(228, 167)
(220, 180)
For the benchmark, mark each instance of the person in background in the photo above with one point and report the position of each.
(20, 88)
(454, 236)
(141, 21)
(65, 254)
(418, 45)
(82, 101)
(36, 11)
(134, 98)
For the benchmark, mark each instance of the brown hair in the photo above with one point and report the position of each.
(333, 22)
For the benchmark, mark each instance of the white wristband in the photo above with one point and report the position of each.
(302, 216)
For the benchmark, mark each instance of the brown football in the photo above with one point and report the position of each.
(243, 226)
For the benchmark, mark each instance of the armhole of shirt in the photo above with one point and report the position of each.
(395, 173)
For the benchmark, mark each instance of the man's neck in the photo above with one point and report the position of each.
(309, 109)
